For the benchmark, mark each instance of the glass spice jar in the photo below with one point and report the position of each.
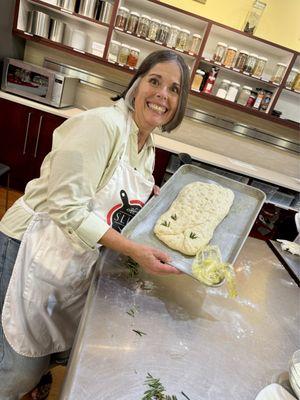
(230, 56)
(241, 60)
(232, 91)
(291, 78)
(251, 99)
(143, 26)
(244, 95)
(195, 45)
(113, 52)
(223, 88)
(278, 73)
(296, 83)
(198, 78)
(219, 52)
(132, 22)
(250, 63)
(153, 29)
(123, 54)
(122, 18)
(182, 40)
(172, 37)
(259, 67)
(133, 57)
(163, 33)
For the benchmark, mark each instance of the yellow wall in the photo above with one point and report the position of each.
(280, 21)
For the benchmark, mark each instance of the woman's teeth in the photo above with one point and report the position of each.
(157, 108)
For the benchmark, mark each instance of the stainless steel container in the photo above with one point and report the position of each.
(68, 4)
(38, 23)
(88, 8)
(106, 12)
(57, 29)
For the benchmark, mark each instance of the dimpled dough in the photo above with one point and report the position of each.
(189, 223)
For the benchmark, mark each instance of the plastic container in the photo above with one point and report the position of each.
(143, 26)
(133, 57)
(291, 78)
(113, 52)
(123, 54)
(250, 63)
(163, 33)
(278, 73)
(182, 40)
(195, 44)
(254, 16)
(219, 52)
(198, 78)
(223, 88)
(259, 98)
(230, 56)
(173, 34)
(153, 29)
(244, 95)
(241, 60)
(122, 18)
(232, 91)
(132, 22)
(259, 67)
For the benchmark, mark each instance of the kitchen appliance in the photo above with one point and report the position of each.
(88, 8)
(57, 29)
(38, 83)
(106, 12)
(68, 4)
(38, 23)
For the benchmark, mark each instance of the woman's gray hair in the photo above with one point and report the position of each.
(149, 62)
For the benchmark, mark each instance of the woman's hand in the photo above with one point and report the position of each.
(152, 260)
(156, 190)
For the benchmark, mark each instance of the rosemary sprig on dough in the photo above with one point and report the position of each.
(174, 217)
(165, 223)
(193, 235)
(132, 311)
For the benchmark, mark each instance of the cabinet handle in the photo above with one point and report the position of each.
(38, 136)
(26, 134)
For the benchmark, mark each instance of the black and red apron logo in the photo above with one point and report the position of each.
(119, 215)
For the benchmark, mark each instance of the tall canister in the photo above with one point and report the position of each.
(38, 23)
(57, 29)
(88, 8)
(106, 11)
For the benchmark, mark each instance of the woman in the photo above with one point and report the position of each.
(100, 160)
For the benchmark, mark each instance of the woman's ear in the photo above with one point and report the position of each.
(130, 95)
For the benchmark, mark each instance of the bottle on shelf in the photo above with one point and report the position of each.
(223, 88)
(113, 51)
(212, 76)
(291, 78)
(232, 91)
(182, 40)
(259, 67)
(195, 44)
(123, 54)
(254, 16)
(244, 95)
(278, 73)
(132, 22)
(230, 56)
(219, 52)
(143, 26)
(266, 101)
(241, 60)
(153, 29)
(251, 99)
(173, 34)
(198, 78)
(163, 33)
(259, 98)
(122, 18)
(250, 63)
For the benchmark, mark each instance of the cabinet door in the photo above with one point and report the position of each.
(17, 127)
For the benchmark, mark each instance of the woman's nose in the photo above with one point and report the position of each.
(162, 93)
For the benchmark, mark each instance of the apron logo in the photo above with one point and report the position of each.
(119, 215)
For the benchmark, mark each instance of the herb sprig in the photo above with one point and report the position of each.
(166, 223)
(156, 391)
(140, 333)
(193, 235)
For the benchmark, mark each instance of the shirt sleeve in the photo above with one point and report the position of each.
(82, 148)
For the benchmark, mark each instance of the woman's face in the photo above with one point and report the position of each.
(157, 96)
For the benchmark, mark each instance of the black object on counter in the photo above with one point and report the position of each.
(185, 158)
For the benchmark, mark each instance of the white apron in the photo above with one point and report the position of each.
(50, 278)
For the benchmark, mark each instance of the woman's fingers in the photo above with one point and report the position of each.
(156, 190)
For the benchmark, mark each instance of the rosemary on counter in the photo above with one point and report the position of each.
(156, 390)
(140, 333)
(132, 311)
(133, 267)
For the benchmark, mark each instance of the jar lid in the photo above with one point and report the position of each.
(263, 58)
(232, 48)
(197, 36)
(145, 16)
(175, 27)
(248, 88)
(235, 84)
(253, 55)
(156, 20)
(125, 45)
(226, 81)
(115, 42)
(134, 13)
(135, 49)
(244, 52)
(295, 70)
(185, 30)
(124, 9)
(200, 72)
(281, 64)
(222, 44)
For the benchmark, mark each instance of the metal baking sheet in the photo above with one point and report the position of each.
(230, 234)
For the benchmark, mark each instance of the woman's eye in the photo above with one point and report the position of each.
(154, 81)
(175, 89)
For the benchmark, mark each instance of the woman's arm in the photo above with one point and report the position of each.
(152, 260)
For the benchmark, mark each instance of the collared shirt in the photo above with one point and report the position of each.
(84, 156)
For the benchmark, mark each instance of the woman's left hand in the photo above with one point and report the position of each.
(156, 190)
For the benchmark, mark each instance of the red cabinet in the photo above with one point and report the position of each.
(25, 139)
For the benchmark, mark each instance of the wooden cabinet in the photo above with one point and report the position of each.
(26, 137)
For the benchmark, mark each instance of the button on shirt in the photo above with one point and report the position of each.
(85, 153)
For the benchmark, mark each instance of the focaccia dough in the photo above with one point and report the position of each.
(189, 223)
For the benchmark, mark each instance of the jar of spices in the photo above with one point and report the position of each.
(122, 18)
(133, 57)
(182, 40)
(113, 52)
(163, 33)
(143, 26)
(230, 56)
(198, 78)
(244, 95)
(296, 84)
(251, 99)
(172, 38)
(278, 73)
(195, 45)
(232, 91)
(241, 60)
(259, 97)
(153, 29)
(219, 52)
(212, 76)
(291, 78)
(223, 88)
(123, 54)
(132, 22)
(266, 101)
(259, 67)
(250, 63)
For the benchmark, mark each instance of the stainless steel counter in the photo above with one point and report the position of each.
(290, 261)
(197, 340)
